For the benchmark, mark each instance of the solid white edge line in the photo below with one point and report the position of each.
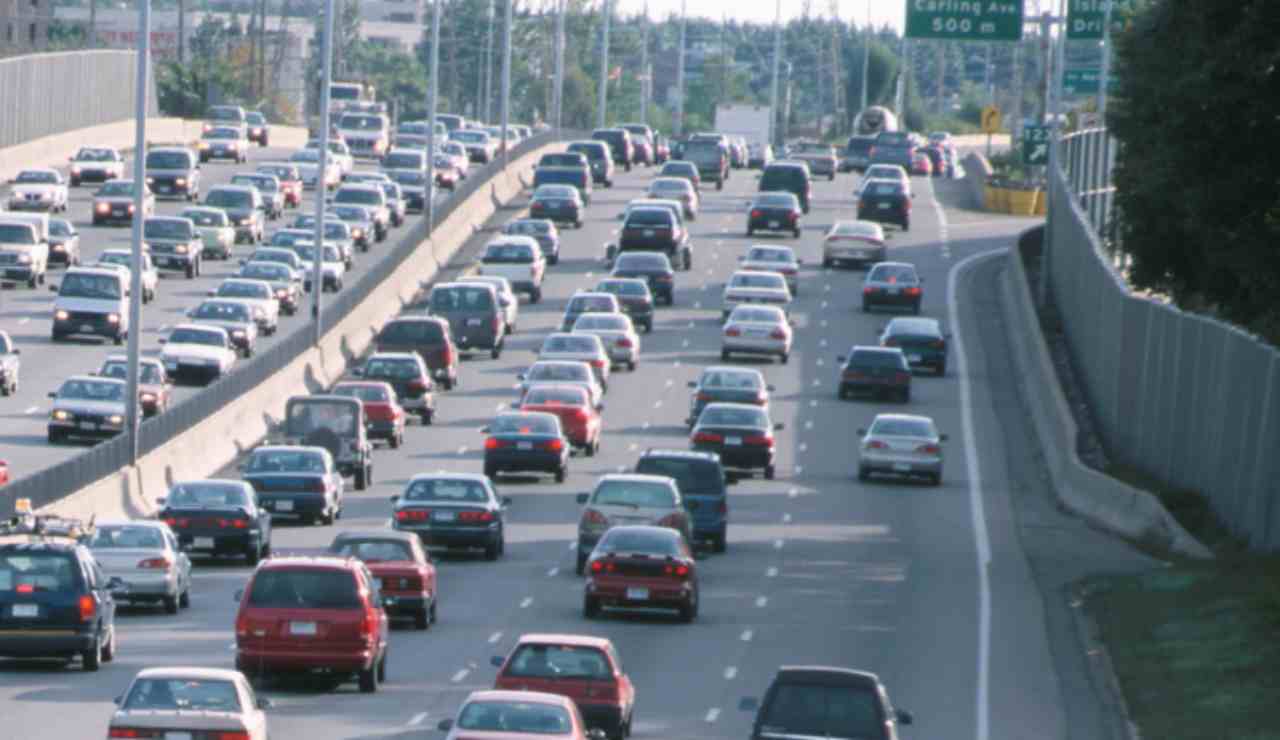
(977, 506)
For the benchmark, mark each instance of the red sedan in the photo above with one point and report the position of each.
(579, 419)
(383, 416)
(290, 180)
(642, 567)
(403, 569)
(920, 164)
(4, 472)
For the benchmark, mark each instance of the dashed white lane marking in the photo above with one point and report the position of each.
(730, 673)
(32, 410)
(692, 324)
(670, 382)
(824, 304)
(24, 319)
(493, 639)
(821, 362)
(803, 446)
(777, 544)
(462, 450)
(685, 343)
(816, 382)
(786, 518)
(676, 363)
(813, 403)
(418, 718)
(164, 327)
(808, 425)
(713, 714)
(457, 677)
(771, 572)
(657, 404)
(645, 426)
(590, 275)
(633, 447)
(572, 545)
(822, 322)
(697, 305)
(553, 573)
(709, 274)
(822, 342)
(526, 602)
(799, 469)
(500, 407)
(793, 493)
(827, 287)
(762, 602)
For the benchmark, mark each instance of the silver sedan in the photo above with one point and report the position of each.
(902, 445)
(768, 258)
(616, 333)
(145, 555)
(757, 330)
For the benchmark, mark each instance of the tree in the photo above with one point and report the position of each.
(1195, 176)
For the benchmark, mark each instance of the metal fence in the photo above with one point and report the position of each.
(1188, 400)
(46, 94)
(106, 458)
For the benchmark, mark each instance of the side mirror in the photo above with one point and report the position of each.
(17, 351)
(749, 704)
(779, 426)
(162, 341)
(506, 502)
(497, 661)
(445, 725)
(519, 376)
(484, 430)
(862, 432)
(692, 384)
(771, 388)
(160, 501)
(946, 335)
(942, 437)
(582, 498)
(53, 394)
(118, 700)
(395, 498)
(53, 287)
(265, 703)
(841, 358)
(357, 371)
(115, 583)
(211, 293)
(904, 717)
(238, 595)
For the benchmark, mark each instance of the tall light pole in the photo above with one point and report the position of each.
(562, 8)
(135, 252)
(487, 87)
(603, 93)
(684, 23)
(900, 96)
(777, 68)
(317, 272)
(505, 109)
(644, 68)
(1105, 78)
(433, 102)
(866, 58)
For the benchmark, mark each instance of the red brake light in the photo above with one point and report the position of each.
(756, 213)
(624, 342)
(131, 732)
(889, 342)
(233, 523)
(367, 623)
(777, 334)
(759, 440)
(235, 735)
(494, 443)
(929, 449)
(902, 378)
(876, 444)
(868, 290)
(475, 516)
(703, 398)
(413, 515)
(418, 386)
(591, 516)
(25, 588)
(318, 485)
(446, 355)
(88, 608)
(794, 215)
(598, 364)
(724, 507)
(733, 331)
(679, 571)
(708, 437)
(913, 291)
(554, 445)
(155, 563)
(596, 566)
(664, 278)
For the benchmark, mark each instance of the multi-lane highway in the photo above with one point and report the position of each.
(929, 587)
(27, 314)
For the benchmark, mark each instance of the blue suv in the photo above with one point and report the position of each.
(703, 486)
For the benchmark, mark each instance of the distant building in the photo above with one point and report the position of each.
(24, 26)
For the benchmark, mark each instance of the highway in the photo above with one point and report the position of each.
(28, 314)
(929, 587)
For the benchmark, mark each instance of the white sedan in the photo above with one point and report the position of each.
(123, 259)
(757, 330)
(190, 702)
(198, 350)
(506, 297)
(755, 286)
(616, 333)
(258, 295)
(40, 189)
(581, 347)
(308, 163)
(769, 258)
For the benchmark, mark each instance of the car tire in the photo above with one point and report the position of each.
(496, 352)
(750, 231)
(562, 473)
(535, 295)
(915, 308)
(394, 441)
(906, 225)
(784, 357)
(184, 599)
(171, 605)
(863, 473)
(491, 551)
(689, 609)
(719, 543)
(119, 338)
(866, 307)
(75, 183)
(252, 555)
(768, 472)
(427, 417)
(191, 271)
(590, 606)
(422, 620)
(491, 472)
(91, 659)
(631, 366)
(719, 184)
(905, 396)
(935, 479)
(942, 369)
(109, 650)
(368, 678)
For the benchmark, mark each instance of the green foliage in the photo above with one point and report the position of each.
(1196, 180)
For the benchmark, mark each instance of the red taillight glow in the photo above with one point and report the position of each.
(88, 608)
(368, 623)
(777, 334)
(233, 523)
(474, 517)
(902, 378)
(599, 566)
(413, 515)
(913, 291)
(703, 398)
(733, 331)
(793, 216)
(664, 278)
(876, 444)
(446, 355)
(418, 386)
(868, 290)
(624, 342)
(708, 437)
(671, 520)
(494, 443)
(938, 344)
(679, 571)
(155, 564)
(929, 449)
(759, 440)
(757, 213)
(597, 364)
(131, 732)
(553, 445)
(889, 342)
(25, 588)
(591, 516)
(242, 626)
(234, 735)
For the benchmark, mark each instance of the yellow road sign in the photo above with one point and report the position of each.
(990, 120)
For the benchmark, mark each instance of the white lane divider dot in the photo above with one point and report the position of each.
(730, 673)
(786, 518)
(777, 544)
(827, 287)
(713, 714)
(499, 407)
(813, 403)
(808, 424)
(493, 639)
(645, 426)
(572, 546)
(676, 363)
(657, 404)
(824, 304)
(685, 343)
(821, 362)
(799, 469)
(670, 382)
(32, 410)
(553, 573)
(804, 446)
(526, 602)
(697, 305)
(822, 342)
(418, 718)
(457, 677)
(462, 450)
(746, 635)
(761, 601)
(822, 322)
(621, 469)
(771, 573)
(633, 447)
(816, 382)
(24, 319)
(692, 324)
(590, 275)
(793, 492)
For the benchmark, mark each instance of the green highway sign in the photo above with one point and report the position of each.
(965, 20)
(1035, 145)
(1085, 18)
(1085, 81)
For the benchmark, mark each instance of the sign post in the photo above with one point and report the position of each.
(990, 124)
(977, 20)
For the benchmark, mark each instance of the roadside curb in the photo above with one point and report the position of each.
(1098, 658)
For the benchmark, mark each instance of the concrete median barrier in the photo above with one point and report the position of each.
(1101, 500)
(245, 422)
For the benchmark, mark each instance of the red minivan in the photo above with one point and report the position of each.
(313, 615)
(584, 668)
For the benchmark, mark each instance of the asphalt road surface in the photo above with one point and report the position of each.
(27, 314)
(929, 587)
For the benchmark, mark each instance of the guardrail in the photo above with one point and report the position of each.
(108, 457)
(46, 94)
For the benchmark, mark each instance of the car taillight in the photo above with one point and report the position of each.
(871, 152)
(624, 342)
(733, 331)
(902, 378)
(580, 414)
(494, 443)
(155, 564)
(793, 216)
(232, 735)
(318, 485)
(929, 449)
(88, 608)
(418, 386)
(723, 508)
(876, 444)
(242, 626)
(474, 517)
(938, 344)
(708, 437)
(703, 398)
(777, 334)
(495, 324)
(679, 571)
(913, 291)
(852, 375)
(233, 523)
(177, 522)
(132, 732)
(368, 622)
(759, 440)
(446, 354)
(889, 342)
(673, 520)
(597, 364)
(413, 515)
(552, 445)
(868, 290)
(756, 213)
(533, 271)
(599, 566)
(591, 516)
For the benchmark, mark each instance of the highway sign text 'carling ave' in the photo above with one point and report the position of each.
(969, 20)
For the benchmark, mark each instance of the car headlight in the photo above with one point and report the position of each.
(180, 249)
(282, 293)
(115, 419)
(75, 169)
(180, 181)
(103, 208)
(245, 221)
(113, 318)
(257, 132)
(238, 333)
(203, 145)
(24, 259)
(151, 180)
(148, 397)
(61, 315)
(61, 415)
(357, 233)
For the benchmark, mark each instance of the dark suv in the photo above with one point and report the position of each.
(428, 336)
(893, 147)
(55, 600)
(619, 141)
(599, 157)
(886, 202)
(711, 158)
(475, 317)
(656, 230)
(819, 701)
(703, 487)
(792, 177)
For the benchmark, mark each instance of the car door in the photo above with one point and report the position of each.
(180, 558)
(97, 581)
(255, 718)
(262, 517)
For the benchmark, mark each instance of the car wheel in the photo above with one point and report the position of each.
(720, 185)
(422, 620)
(171, 605)
(842, 393)
(768, 472)
(491, 472)
(251, 556)
(394, 441)
(109, 650)
(184, 599)
(496, 352)
(562, 473)
(75, 183)
(863, 473)
(648, 327)
(589, 449)
(631, 366)
(491, 551)
(942, 368)
(866, 307)
(915, 308)
(581, 566)
(905, 396)
(750, 231)
(718, 543)
(906, 226)
(784, 357)
(428, 416)
(590, 607)
(191, 271)
(119, 338)
(935, 479)
(689, 610)
(724, 355)
(369, 678)
(536, 295)
(91, 659)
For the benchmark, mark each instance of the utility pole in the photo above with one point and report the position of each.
(1104, 80)
(774, 139)
(182, 31)
(603, 93)
(644, 67)
(838, 115)
(1053, 91)
(487, 87)
(505, 110)
(900, 95)
(562, 8)
(433, 101)
(1046, 26)
(942, 77)
(684, 23)
(866, 58)
(135, 253)
(986, 77)
(317, 272)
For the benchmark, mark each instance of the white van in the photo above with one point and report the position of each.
(24, 247)
(92, 301)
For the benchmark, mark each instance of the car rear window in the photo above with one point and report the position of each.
(730, 380)
(125, 536)
(556, 396)
(32, 571)
(782, 178)
(525, 424)
(507, 254)
(570, 343)
(183, 694)
(285, 461)
(366, 393)
(649, 217)
(586, 304)
(822, 711)
(732, 417)
(650, 541)
(875, 358)
(902, 427)
(446, 490)
(405, 369)
(893, 138)
(892, 274)
(771, 200)
(644, 494)
(558, 661)
(304, 588)
(621, 288)
(372, 549)
(532, 718)
(206, 495)
(422, 332)
(691, 476)
(558, 371)
(462, 299)
(643, 262)
(762, 280)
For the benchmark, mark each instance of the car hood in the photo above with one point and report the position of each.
(80, 405)
(35, 189)
(767, 266)
(229, 325)
(576, 356)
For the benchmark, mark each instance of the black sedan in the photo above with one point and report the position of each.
(633, 296)
(526, 442)
(652, 267)
(885, 201)
(300, 483)
(217, 517)
(558, 203)
(920, 339)
(722, 384)
(452, 510)
(741, 434)
(774, 211)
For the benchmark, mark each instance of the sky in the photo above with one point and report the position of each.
(883, 12)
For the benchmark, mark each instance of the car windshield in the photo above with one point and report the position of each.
(572, 344)
(558, 371)
(198, 336)
(639, 494)
(84, 285)
(822, 711)
(305, 155)
(224, 113)
(403, 160)
(229, 199)
(116, 189)
(126, 536)
(304, 588)
(875, 358)
(285, 461)
(265, 183)
(183, 694)
(352, 214)
(166, 229)
(96, 155)
(884, 273)
(361, 196)
(568, 159)
(552, 396)
(525, 718)
(148, 372)
(883, 172)
(731, 380)
(243, 290)
(649, 218)
(255, 118)
(642, 262)
(525, 424)
(206, 218)
(682, 169)
(900, 427)
(367, 393)
(528, 228)
(411, 177)
(222, 311)
(776, 200)
(558, 661)
(59, 227)
(168, 161)
(265, 271)
(588, 303)
(405, 369)
(39, 177)
(893, 138)
(611, 322)
(222, 133)
(207, 496)
(284, 172)
(508, 253)
(307, 416)
(858, 229)
(373, 550)
(732, 417)
(361, 122)
(17, 234)
(92, 390)
(412, 331)
(458, 298)
(446, 490)
(308, 253)
(662, 543)
(757, 280)
(471, 137)
(274, 255)
(285, 238)
(690, 475)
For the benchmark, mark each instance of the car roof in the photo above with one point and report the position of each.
(904, 417)
(521, 239)
(289, 448)
(92, 270)
(634, 478)
(217, 674)
(553, 638)
(378, 534)
(231, 188)
(710, 457)
(125, 358)
(449, 475)
(284, 562)
(148, 523)
(916, 323)
(394, 356)
(826, 674)
(908, 265)
(94, 379)
(535, 697)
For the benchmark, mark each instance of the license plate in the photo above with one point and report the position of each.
(884, 206)
(733, 440)
(894, 291)
(474, 322)
(165, 189)
(177, 736)
(284, 506)
(773, 224)
(901, 468)
(28, 611)
(648, 232)
(86, 327)
(914, 358)
(88, 425)
(202, 543)
(444, 516)
(302, 628)
(524, 445)
(637, 594)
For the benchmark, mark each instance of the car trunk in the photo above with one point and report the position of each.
(192, 723)
(303, 630)
(127, 561)
(573, 419)
(206, 522)
(734, 438)
(461, 517)
(397, 577)
(872, 374)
